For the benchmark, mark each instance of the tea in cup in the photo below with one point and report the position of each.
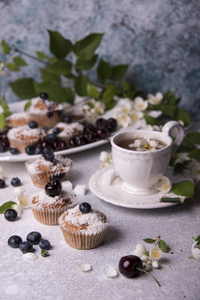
(141, 157)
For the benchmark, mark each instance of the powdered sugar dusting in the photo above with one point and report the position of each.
(41, 200)
(90, 223)
(18, 115)
(68, 129)
(36, 109)
(25, 131)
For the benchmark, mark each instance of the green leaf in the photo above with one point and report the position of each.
(5, 107)
(24, 88)
(151, 120)
(49, 76)
(69, 95)
(85, 48)
(118, 72)
(59, 46)
(186, 147)
(92, 91)
(44, 253)
(2, 121)
(193, 137)
(183, 188)
(198, 240)
(5, 47)
(104, 70)
(41, 54)
(162, 245)
(181, 114)
(125, 85)
(149, 240)
(86, 64)
(60, 67)
(55, 91)
(12, 67)
(179, 168)
(19, 61)
(80, 85)
(194, 154)
(167, 110)
(6, 206)
(27, 104)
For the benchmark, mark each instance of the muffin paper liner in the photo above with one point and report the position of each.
(44, 121)
(48, 216)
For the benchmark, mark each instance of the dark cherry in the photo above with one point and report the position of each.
(14, 241)
(46, 144)
(3, 134)
(33, 124)
(111, 124)
(34, 237)
(44, 96)
(89, 137)
(102, 133)
(76, 141)
(49, 114)
(85, 207)
(10, 214)
(101, 123)
(53, 187)
(90, 128)
(14, 151)
(5, 144)
(129, 265)
(59, 145)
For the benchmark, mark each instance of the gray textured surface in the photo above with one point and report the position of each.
(58, 277)
(159, 39)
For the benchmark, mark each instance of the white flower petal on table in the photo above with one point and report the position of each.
(30, 256)
(195, 251)
(110, 272)
(85, 267)
(18, 191)
(155, 253)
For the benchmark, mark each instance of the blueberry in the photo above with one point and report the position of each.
(30, 150)
(33, 124)
(14, 151)
(14, 241)
(34, 237)
(10, 214)
(25, 247)
(2, 184)
(16, 181)
(51, 137)
(2, 148)
(68, 119)
(85, 207)
(38, 149)
(48, 154)
(44, 245)
(53, 187)
(56, 130)
(44, 96)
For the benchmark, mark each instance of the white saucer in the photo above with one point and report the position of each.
(116, 195)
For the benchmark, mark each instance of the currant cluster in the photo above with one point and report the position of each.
(4, 142)
(33, 238)
(50, 141)
(92, 133)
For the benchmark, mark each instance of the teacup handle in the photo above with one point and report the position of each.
(179, 133)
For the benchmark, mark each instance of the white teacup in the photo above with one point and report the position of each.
(140, 170)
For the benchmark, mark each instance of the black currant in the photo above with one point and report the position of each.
(25, 247)
(44, 245)
(34, 237)
(53, 187)
(33, 124)
(68, 119)
(111, 124)
(56, 130)
(48, 154)
(2, 184)
(44, 96)
(14, 241)
(14, 151)
(30, 150)
(85, 207)
(10, 214)
(16, 181)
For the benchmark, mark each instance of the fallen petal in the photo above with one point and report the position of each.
(85, 267)
(30, 256)
(110, 272)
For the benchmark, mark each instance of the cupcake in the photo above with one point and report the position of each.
(17, 119)
(42, 170)
(22, 136)
(82, 227)
(46, 113)
(48, 204)
(65, 131)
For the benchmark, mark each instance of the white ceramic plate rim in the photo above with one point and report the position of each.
(115, 195)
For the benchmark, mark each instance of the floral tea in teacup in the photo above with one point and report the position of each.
(141, 157)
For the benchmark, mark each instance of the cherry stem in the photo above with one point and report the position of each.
(142, 270)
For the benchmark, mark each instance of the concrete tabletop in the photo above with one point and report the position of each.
(58, 276)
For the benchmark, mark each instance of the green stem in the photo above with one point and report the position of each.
(150, 275)
(31, 56)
